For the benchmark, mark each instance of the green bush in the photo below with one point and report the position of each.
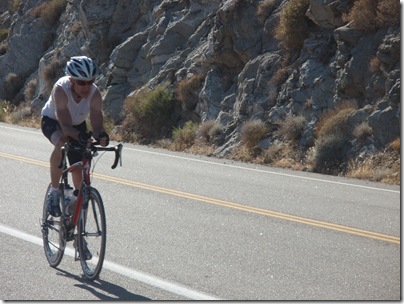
(149, 113)
(185, 137)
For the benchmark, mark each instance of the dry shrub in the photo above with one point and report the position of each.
(395, 145)
(188, 91)
(292, 128)
(52, 72)
(264, 8)
(335, 120)
(49, 11)
(293, 25)
(388, 13)
(6, 108)
(209, 131)
(374, 65)
(12, 84)
(252, 132)
(4, 34)
(382, 166)
(330, 153)
(30, 90)
(370, 15)
(284, 155)
(362, 131)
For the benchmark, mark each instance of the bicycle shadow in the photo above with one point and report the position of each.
(103, 289)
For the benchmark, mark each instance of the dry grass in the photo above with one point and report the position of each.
(383, 166)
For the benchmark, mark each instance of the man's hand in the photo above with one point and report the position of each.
(103, 138)
(84, 139)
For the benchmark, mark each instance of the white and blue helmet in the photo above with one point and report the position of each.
(81, 67)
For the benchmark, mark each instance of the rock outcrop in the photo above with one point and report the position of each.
(231, 44)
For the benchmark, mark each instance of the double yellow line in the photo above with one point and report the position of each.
(205, 199)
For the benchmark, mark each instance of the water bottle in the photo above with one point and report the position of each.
(70, 201)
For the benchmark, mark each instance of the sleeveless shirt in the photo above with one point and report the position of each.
(78, 111)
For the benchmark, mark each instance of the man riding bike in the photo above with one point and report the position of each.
(73, 98)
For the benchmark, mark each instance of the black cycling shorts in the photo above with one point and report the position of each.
(49, 126)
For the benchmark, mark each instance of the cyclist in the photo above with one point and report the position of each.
(74, 97)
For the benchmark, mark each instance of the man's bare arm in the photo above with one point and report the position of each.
(96, 116)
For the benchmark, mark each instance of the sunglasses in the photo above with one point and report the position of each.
(82, 83)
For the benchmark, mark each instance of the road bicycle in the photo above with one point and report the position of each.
(86, 226)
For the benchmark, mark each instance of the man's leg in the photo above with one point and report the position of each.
(56, 157)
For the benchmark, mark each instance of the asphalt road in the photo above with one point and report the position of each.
(185, 227)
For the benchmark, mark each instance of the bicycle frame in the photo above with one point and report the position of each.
(85, 167)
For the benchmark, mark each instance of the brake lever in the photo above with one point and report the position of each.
(118, 156)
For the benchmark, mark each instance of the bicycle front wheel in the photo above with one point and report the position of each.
(92, 235)
(53, 234)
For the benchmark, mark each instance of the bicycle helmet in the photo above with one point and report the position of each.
(81, 67)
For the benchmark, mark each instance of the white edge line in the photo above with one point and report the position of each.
(262, 171)
(237, 167)
(122, 270)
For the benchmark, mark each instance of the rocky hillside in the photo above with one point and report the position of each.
(269, 60)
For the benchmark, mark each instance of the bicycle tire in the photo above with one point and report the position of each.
(92, 235)
(53, 234)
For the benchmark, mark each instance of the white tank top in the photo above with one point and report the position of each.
(78, 111)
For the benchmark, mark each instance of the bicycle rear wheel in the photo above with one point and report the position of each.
(53, 234)
(92, 235)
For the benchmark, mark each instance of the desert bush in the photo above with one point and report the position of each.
(184, 137)
(374, 65)
(362, 131)
(12, 84)
(3, 34)
(149, 113)
(209, 131)
(330, 153)
(188, 90)
(291, 128)
(388, 13)
(336, 119)
(293, 25)
(13, 5)
(252, 132)
(52, 72)
(6, 108)
(20, 114)
(264, 8)
(50, 11)
(395, 145)
(369, 15)
(30, 89)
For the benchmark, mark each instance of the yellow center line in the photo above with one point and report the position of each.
(274, 214)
